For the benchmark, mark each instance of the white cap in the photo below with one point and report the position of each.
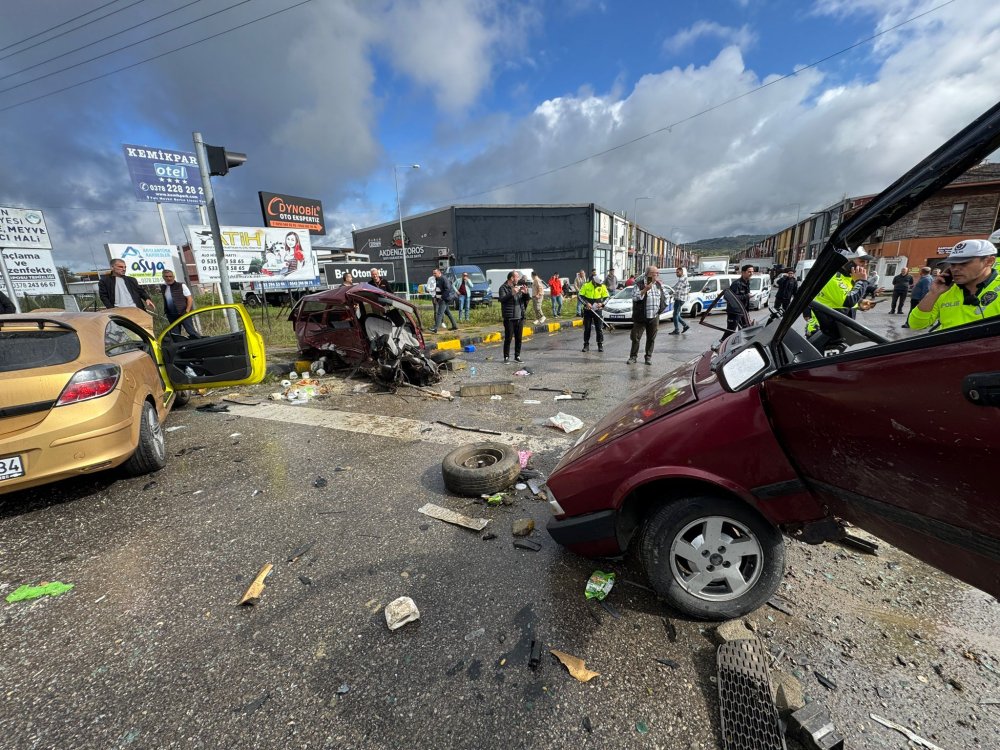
(995, 237)
(969, 249)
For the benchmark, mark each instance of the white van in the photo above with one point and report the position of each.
(802, 268)
(495, 277)
(760, 291)
(704, 289)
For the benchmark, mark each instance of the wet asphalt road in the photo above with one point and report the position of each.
(150, 649)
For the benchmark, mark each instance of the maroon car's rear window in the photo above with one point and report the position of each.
(27, 349)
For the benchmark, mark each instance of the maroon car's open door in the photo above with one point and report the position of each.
(897, 439)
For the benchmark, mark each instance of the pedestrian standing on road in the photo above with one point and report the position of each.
(578, 282)
(556, 295)
(787, 286)
(611, 281)
(902, 282)
(682, 288)
(630, 281)
(594, 294)
(118, 290)
(431, 286)
(873, 279)
(376, 279)
(537, 295)
(348, 279)
(464, 297)
(177, 302)
(444, 295)
(6, 306)
(736, 318)
(920, 290)
(649, 300)
(513, 296)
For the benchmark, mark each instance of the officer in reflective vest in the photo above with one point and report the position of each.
(967, 292)
(845, 290)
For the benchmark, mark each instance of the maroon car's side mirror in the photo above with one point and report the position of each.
(744, 368)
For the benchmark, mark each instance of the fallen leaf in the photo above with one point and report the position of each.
(577, 667)
(256, 588)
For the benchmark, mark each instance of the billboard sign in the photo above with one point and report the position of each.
(32, 272)
(359, 272)
(257, 254)
(145, 263)
(161, 175)
(23, 228)
(291, 212)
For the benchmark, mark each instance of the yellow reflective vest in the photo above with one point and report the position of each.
(833, 295)
(958, 307)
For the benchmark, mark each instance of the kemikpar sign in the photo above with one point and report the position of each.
(292, 212)
(23, 228)
(32, 272)
(146, 263)
(256, 254)
(161, 175)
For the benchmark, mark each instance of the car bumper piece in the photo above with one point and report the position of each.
(585, 530)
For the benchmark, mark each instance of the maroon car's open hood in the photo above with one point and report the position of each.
(673, 391)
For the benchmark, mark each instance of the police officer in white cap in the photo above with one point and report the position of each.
(967, 292)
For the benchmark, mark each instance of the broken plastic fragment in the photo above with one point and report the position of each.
(401, 611)
(566, 422)
(48, 588)
(599, 585)
(256, 589)
(577, 667)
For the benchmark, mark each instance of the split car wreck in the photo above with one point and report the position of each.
(367, 329)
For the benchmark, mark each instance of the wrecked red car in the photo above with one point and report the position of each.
(777, 432)
(368, 329)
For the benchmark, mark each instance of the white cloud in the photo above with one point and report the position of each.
(742, 37)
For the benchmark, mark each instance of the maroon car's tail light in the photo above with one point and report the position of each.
(93, 382)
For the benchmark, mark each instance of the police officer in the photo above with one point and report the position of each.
(593, 294)
(844, 291)
(967, 292)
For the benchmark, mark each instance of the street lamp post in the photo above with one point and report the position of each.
(402, 236)
(635, 225)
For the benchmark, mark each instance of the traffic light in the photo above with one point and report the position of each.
(221, 161)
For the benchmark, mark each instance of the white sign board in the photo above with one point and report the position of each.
(24, 228)
(146, 263)
(32, 272)
(256, 254)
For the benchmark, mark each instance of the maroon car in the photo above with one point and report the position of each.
(778, 433)
(367, 328)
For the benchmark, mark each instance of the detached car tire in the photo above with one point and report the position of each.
(480, 469)
(711, 557)
(181, 399)
(440, 356)
(151, 453)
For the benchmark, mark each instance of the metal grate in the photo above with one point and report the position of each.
(749, 716)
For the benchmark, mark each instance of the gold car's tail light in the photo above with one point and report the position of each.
(92, 382)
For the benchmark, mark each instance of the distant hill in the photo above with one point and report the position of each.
(723, 245)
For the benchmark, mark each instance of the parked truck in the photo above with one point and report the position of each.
(713, 264)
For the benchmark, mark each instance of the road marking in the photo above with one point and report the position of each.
(399, 428)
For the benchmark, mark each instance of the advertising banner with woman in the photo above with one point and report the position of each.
(256, 254)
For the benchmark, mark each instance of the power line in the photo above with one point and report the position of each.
(96, 41)
(68, 31)
(155, 57)
(127, 46)
(667, 128)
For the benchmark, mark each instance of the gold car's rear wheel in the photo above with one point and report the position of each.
(151, 453)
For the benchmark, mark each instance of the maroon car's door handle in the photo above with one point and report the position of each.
(982, 388)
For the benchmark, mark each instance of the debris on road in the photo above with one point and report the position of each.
(531, 401)
(781, 605)
(671, 630)
(522, 373)
(609, 609)
(564, 391)
(243, 400)
(850, 540)
(527, 544)
(496, 398)
(401, 611)
(27, 593)
(488, 535)
(175, 428)
(306, 580)
(748, 715)
(495, 499)
(668, 663)
(825, 681)
(214, 408)
(534, 487)
(450, 516)
(523, 457)
(442, 395)
(733, 630)
(477, 633)
(467, 429)
(814, 728)
(500, 388)
(535, 655)
(522, 527)
(599, 585)
(566, 422)
(916, 739)
(320, 482)
(298, 552)
(787, 692)
(577, 667)
(253, 593)
(253, 705)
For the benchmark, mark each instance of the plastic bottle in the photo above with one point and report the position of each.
(472, 371)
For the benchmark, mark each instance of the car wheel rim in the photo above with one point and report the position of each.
(482, 459)
(716, 559)
(156, 432)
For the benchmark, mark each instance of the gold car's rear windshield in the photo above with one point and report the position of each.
(28, 344)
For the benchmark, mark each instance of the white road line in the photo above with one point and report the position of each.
(399, 428)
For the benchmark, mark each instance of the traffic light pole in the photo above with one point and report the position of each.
(213, 220)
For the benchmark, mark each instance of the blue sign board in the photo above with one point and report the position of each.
(296, 284)
(160, 175)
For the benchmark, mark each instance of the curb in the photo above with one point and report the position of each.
(495, 337)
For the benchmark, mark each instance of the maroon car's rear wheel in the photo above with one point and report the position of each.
(711, 557)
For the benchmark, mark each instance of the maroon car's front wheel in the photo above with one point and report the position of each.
(711, 557)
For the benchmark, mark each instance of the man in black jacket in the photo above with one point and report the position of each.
(787, 286)
(902, 282)
(513, 296)
(740, 288)
(118, 290)
(444, 295)
(6, 306)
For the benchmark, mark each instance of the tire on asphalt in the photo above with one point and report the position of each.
(439, 356)
(480, 469)
(683, 529)
(151, 453)
(181, 399)
(695, 311)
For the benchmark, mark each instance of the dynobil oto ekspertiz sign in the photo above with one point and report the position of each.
(292, 212)
(146, 263)
(257, 254)
(162, 175)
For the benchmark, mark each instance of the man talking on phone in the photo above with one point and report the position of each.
(966, 292)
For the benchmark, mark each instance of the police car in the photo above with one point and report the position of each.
(618, 310)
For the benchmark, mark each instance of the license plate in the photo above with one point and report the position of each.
(11, 467)
(615, 316)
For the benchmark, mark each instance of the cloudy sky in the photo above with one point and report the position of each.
(499, 101)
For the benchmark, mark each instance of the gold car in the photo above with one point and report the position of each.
(86, 391)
